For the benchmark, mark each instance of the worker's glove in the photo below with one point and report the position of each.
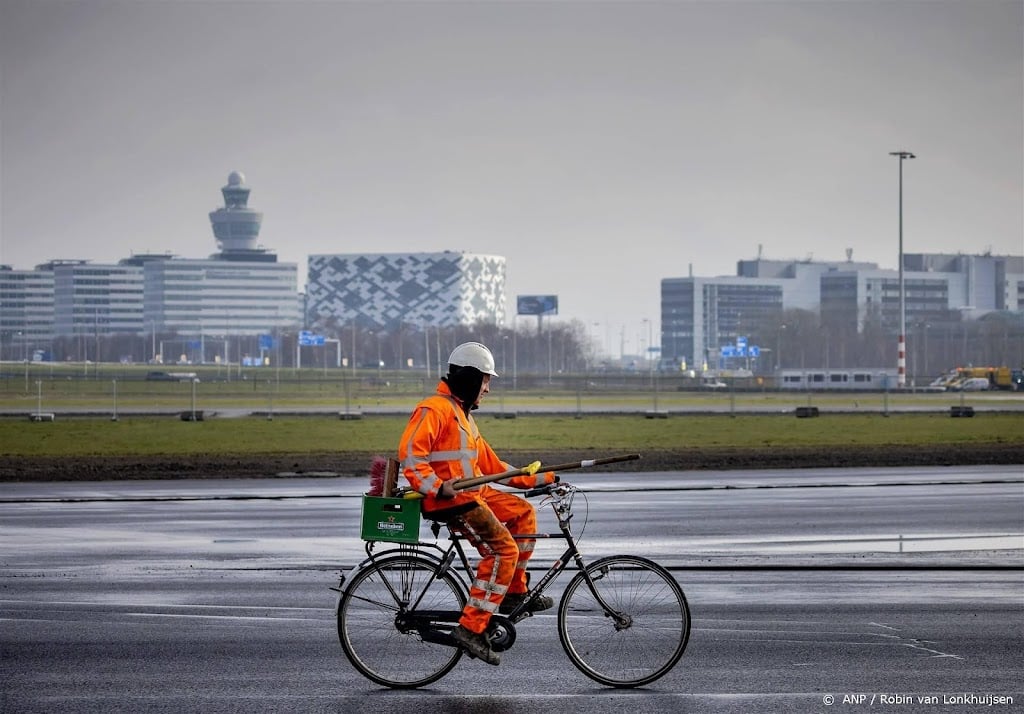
(447, 491)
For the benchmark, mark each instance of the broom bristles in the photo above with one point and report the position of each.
(377, 470)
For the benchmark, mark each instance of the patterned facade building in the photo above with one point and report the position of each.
(386, 290)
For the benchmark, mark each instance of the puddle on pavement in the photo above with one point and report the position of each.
(874, 544)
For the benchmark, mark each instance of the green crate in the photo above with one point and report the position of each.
(391, 519)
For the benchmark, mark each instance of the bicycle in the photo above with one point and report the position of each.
(623, 620)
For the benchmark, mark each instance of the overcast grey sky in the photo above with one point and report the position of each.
(598, 146)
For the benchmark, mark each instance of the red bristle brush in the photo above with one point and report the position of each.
(377, 470)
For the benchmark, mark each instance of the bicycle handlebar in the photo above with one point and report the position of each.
(540, 490)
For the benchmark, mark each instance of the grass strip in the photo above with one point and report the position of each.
(153, 436)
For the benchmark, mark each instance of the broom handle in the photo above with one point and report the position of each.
(585, 463)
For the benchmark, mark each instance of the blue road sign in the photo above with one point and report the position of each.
(309, 339)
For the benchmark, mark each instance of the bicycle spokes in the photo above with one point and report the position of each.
(624, 621)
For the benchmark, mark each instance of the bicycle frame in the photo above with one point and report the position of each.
(561, 503)
(623, 620)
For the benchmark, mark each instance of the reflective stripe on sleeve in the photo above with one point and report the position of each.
(430, 486)
(459, 455)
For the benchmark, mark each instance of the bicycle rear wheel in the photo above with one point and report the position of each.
(369, 613)
(641, 646)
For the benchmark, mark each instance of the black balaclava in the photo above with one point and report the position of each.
(465, 383)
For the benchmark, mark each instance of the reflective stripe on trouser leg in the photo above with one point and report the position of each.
(519, 516)
(525, 551)
(498, 554)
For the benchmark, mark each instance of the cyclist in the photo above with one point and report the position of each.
(440, 445)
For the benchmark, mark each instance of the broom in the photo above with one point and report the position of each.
(383, 477)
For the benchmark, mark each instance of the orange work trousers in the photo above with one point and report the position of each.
(502, 566)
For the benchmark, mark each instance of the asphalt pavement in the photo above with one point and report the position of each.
(900, 589)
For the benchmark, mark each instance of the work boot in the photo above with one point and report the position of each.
(475, 645)
(513, 600)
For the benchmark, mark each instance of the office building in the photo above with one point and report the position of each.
(699, 316)
(704, 318)
(978, 284)
(26, 311)
(215, 297)
(92, 299)
(854, 299)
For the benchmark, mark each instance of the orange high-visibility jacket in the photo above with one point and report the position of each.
(442, 442)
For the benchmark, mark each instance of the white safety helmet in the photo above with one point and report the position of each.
(473, 354)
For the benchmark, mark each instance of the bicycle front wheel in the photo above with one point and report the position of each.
(370, 616)
(643, 636)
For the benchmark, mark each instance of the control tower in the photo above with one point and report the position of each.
(236, 226)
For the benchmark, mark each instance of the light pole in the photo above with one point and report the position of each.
(515, 355)
(901, 359)
(426, 351)
(24, 358)
(778, 351)
(647, 322)
(353, 347)
(549, 355)
(650, 348)
(924, 342)
(501, 393)
(380, 362)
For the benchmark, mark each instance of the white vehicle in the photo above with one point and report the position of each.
(974, 384)
(172, 377)
(712, 383)
(942, 382)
